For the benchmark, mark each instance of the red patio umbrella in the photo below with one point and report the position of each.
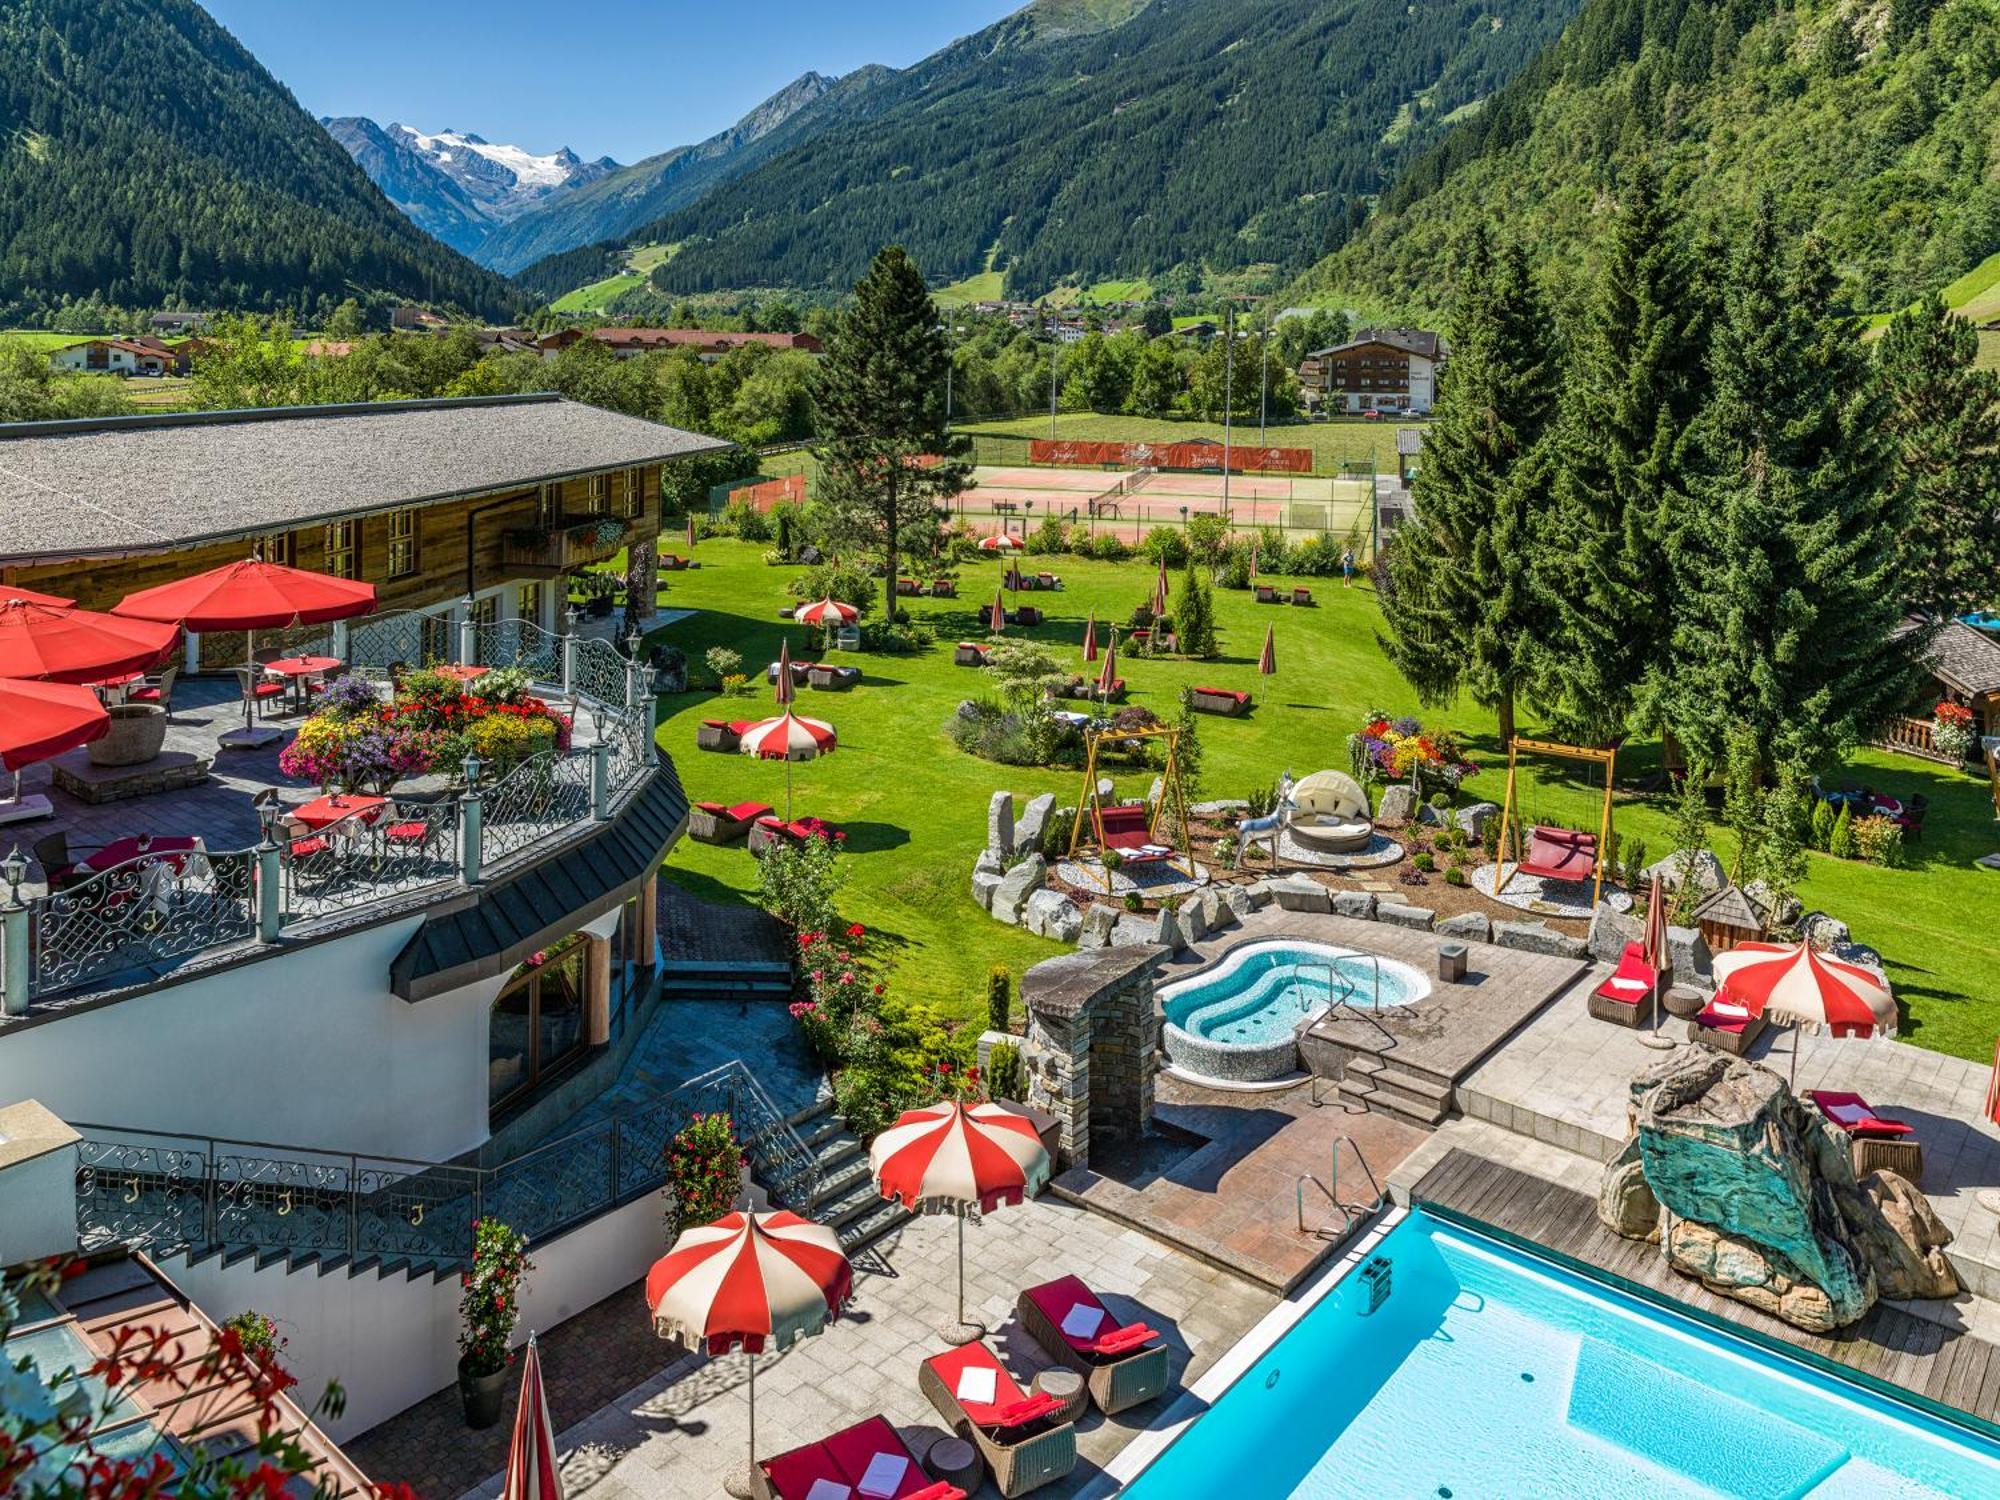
(749, 1280)
(1090, 637)
(783, 688)
(788, 738)
(251, 595)
(32, 596)
(532, 1472)
(996, 618)
(999, 542)
(55, 643)
(1267, 659)
(826, 612)
(953, 1158)
(1795, 983)
(39, 720)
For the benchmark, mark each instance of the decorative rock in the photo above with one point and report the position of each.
(1134, 930)
(1219, 807)
(989, 863)
(1399, 915)
(1909, 1261)
(1297, 893)
(1167, 931)
(1238, 899)
(1862, 954)
(1475, 925)
(1051, 914)
(1019, 883)
(1776, 913)
(1610, 931)
(1259, 893)
(1689, 957)
(1539, 937)
(1000, 824)
(1709, 875)
(1216, 913)
(1095, 929)
(1625, 1204)
(1475, 818)
(1822, 931)
(1433, 817)
(984, 884)
(1034, 822)
(1358, 904)
(967, 710)
(1399, 805)
(1193, 923)
(1155, 792)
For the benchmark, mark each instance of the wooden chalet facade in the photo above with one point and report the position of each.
(478, 506)
(1963, 664)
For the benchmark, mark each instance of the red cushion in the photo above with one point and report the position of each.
(303, 847)
(412, 832)
(1714, 1022)
(792, 1474)
(1124, 1340)
(143, 695)
(1056, 1298)
(1873, 1125)
(742, 812)
(742, 726)
(1214, 692)
(714, 724)
(853, 1448)
(1006, 1393)
(713, 809)
(266, 689)
(938, 1490)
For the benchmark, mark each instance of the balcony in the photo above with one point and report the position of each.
(573, 542)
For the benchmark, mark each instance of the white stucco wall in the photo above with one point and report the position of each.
(392, 1341)
(306, 1048)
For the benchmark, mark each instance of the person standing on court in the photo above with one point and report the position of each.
(1347, 568)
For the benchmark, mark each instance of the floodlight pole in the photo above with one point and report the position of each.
(1228, 394)
(1055, 349)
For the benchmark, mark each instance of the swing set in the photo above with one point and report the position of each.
(1130, 832)
(1559, 854)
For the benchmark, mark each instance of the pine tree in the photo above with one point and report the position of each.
(1785, 561)
(878, 408)
(1194, 616)
(1690, 833)
(1462, 603)
(1635, 384)
(1782, 867)
(1944, 433)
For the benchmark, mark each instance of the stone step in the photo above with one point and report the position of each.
(856, 1200)
(813, 1115)
(838, 1149)
(837, 1180)
(858, 1234)
(819, 1127)
(1387, 1091)
(1429, 1079)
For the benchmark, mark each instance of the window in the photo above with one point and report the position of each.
(551, 505)
(276, 547)
(536, 1027)
(343, 549)
(634, 498)
(600, 494)
(402, 543)
(528, 602)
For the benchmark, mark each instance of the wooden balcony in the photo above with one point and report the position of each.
(1912, 737)
(574, 542)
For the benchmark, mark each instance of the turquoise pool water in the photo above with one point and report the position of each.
(1486, 1374)
(1261, 992)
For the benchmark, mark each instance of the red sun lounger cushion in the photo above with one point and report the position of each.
(1633, 982)
(854, 1448)
(1010, 1406)
(1855, 1115)
(742, 812)
(1558, 854)
(793, 1474)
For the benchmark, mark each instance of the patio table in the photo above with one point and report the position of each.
(299, 670)
(321, 812)
(113, 689)
(463, 673)
(173, 849)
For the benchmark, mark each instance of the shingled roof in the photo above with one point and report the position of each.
(110, 486)
(1965, 658)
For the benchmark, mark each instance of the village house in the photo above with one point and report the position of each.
(115, 357)
(1393, 369)
(708, 344)
(178, 322)
(1962, 664)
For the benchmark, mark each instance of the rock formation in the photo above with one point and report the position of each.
(1759, 1199)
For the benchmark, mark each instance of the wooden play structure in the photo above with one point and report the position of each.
(1129, 831)
(1555, 853)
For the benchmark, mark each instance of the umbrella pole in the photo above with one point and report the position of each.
(743, 1486)
(964, 1331)
(1653, 1038)
(788, 785)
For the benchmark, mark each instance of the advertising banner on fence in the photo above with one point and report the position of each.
(1201, 455)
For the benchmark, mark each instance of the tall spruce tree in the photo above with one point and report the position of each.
(1944, 436)
(1786, 560)
(1636, 381)
(1462, 603)
(878, 398)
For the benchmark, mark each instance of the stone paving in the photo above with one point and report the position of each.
(634, 1422)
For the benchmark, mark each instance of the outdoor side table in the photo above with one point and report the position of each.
(1901, 1154)
(1451, 962)
(1066, 1386)
(957, 1463)
(1684, 1001)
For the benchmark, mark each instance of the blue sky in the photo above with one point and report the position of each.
(624, 78)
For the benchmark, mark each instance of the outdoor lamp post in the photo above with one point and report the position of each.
(14, 965)
(470, 808)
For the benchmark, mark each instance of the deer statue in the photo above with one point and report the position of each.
(1273, 822)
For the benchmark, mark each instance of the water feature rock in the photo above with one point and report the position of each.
(1299, 893)
(1539, 937)
(1034, 822)
(1822, 931)
(1016, 886)
(1051, 914)
(1399, 915)
(1709, 876)
(1475, 925)
(1625, 1204)
(1909, 1260)
(1000, 824)
(1357, 904)
(1399, 805)
(1475, 818)
(1610, 931)
(1095, 931)
(1237, 898)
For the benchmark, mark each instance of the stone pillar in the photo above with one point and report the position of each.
(643, 576)
(1093, 1029)
(596, 991)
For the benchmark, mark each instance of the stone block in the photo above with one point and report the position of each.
(1822, 931)
(1398, 915)
(1610, 931)
(1219, 807)
(1296, 893)
(1474, 819)
(1237, 899)
(1709, 875)
(1016, 886)
(1399, 805)
(984, 884)
(1192, 920)
(1095, 928)
(1451, 962)
(1216, 912)
(1539, 937)
(1433, 817)
(989, 862)
(1167, 931)
(1689, 958)
(1034, 822)
(1051, 914)
(1357, 904)
(1135, 929)
(1000, 824)
(1475, 926)
(1258, 893)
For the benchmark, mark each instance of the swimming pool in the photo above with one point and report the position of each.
(1486, 1373)
(1236, 1022)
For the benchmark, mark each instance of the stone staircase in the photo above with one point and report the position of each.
(1404, 1090)
(847, 1202)
(703, 980)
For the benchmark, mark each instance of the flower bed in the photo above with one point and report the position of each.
(1401, 749)
(1952, 729)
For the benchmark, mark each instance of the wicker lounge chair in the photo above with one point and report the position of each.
(969, 654)
(770, 830)
(908, 588)
(1017, 1433)
(720, 734)
(1267, 595)
(1027, 614)
(833, 679)
(801, 670)
(1224, 701)
(944, 588)
(1302, 596)
(1622, 998)
(712, 823)
(1121, 1366)
(842, 1460)
(1047, 581)
(1727, 1027)
(1875, 1143)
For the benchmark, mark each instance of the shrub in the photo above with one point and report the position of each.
(1131, 900)
(257, 1333)
(1047, 539)
(1005, 1077)
(1841, 843)
(797, 883)
(1822, 826)
(1273, 552)
(490, 1301)
(1206, 536)
(848, 582)
(504, 741)
(724, 661)
(1000, 998)
(1879, 840)
(1195, 615)
(897, 639)
(1423, 859)
(502, 685)
(1108, 546)
(1164, 544)
(736, 685)
(1057, 833)
(704, 1172)
(1635, 863)
(1953, 729)
(748, 522)
(1233, 571)
(1455, 876)
(903, 1056)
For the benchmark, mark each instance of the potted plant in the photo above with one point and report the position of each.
(1952, 729)
(704, 1172)
(488, 1308)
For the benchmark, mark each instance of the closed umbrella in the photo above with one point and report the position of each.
(1107, 676)
(1267, 659)
(788, 738)
(57, 643)
(39, 720)
(1654, 942)
(783, 688)
(955, 1158)
(251, 595)
(996, 617)
(1796, 984)
(751, 1281)
(690, 533)
(1090, 637)
(532, 1471)
(1160, 591)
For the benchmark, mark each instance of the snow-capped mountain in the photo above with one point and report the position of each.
(457, 185)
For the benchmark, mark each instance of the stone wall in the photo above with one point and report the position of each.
(1093, 1032)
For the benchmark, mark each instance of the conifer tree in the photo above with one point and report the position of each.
(879, 407)
(1786, 560)
(1462, 603)
(1635, 384)
(1944, 434)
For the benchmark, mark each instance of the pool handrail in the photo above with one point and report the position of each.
(1349, 1212)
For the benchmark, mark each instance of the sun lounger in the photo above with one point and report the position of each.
(770, 830)
(1726, 1026)
(825, 678)
(1018, 1434)
(908, 588)
(1047, 581)
(969, 654)
(1875, 1142)
(1267, 595)
(720, 734)
(712, 823)
(1027, 614)
(1622, 999)
(843, 1462)
(1224, 701)
(801, 670)
(943, 588)
(1122, 1366)
(1302, 596)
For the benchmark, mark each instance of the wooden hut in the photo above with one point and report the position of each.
(1729, 917)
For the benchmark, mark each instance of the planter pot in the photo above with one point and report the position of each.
(482, 1396)
(137, 733)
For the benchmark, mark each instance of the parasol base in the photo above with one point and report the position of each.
(1989, 1199)
(738, 1485)
(1658, 1042)
(26, 809)
(960, 1332)
(250, 739)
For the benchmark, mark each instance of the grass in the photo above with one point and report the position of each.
(987, 286)
(48, 343)
(599, 295)
(1333, 443)
(915, 806)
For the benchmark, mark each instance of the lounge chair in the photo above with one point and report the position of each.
(801, 670)
(771, 830)
(1727, 1027)
(1027, 614)
(1302, 596)
(944, 588)
(1875, 1142)
(1267, 595)
(1559, 854)
(1622, 998)
(1047, 581)
(720, 734)
(826, 678)
(712, 823)
(908, 588)
(1129, 831)
(1018, 1434)
(1122, 1366)
(158, 689)
(843, 1460)
(1224, 701)
(969, 654)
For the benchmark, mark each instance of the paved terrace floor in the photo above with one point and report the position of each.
(635, 1420)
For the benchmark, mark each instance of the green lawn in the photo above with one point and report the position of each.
(987, 286)
(915, 806)
(599, 295)
(1333, 443)
(47, 343)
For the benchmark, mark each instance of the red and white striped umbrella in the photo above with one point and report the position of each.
(826, 612)
(951, 1157)
(1793, 982)
(532, 1470)
(789, 737)
(1160, 590)
(783, 688)
(1000, 542)
(1090, 638)
(1267, 659)
(1107, 676)
(1654, 940)
(996, 617)
(749, 1281)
